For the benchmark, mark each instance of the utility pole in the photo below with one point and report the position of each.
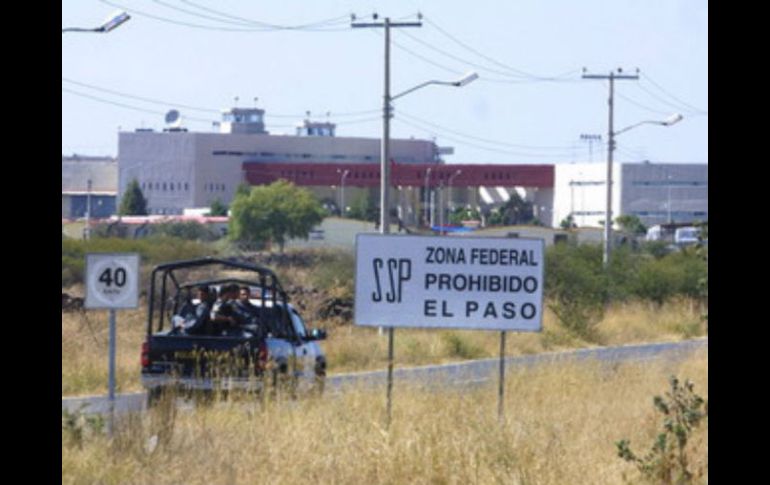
(385, 164)
(612, 76)
(386, 115)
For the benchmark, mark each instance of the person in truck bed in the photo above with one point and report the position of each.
(200, 321)
(248, 314)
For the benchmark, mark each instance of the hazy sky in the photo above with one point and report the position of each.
(529, 105)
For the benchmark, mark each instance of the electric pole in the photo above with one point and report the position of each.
(385, 165)
(612, 76)
(386, 115)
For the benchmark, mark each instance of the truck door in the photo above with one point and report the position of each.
(305, 352)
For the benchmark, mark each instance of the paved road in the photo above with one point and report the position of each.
(462, 374)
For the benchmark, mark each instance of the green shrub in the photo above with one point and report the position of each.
(667, 461)
(152, 251)
(576, 287)
(457, 346)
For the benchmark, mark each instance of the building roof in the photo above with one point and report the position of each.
(77, 170)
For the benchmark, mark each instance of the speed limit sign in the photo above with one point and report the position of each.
(112, 280)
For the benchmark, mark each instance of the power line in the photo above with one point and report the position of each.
(481, 147)
(258, 27)
(139, 98)
(192, 118)
(691, 107)
(508, 75)
(640, 105)
(562, 148)
(313, 26)
(517, 71)
(128, 106)
(197, 108)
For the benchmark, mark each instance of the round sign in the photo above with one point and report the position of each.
(112, 280)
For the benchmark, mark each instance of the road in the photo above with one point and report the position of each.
(464, 374)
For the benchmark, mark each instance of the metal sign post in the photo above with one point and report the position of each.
(501, 392)
(112, 282)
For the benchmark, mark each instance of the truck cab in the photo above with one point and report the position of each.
(271, 347)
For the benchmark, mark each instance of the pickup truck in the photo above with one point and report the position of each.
(276, 349)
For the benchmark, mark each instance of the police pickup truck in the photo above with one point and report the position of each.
(267, 346)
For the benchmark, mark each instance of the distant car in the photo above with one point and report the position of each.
(686, 236)
(277, 349)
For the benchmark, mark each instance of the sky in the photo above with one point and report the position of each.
(530, 104)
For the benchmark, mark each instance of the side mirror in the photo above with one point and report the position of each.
(318, 334)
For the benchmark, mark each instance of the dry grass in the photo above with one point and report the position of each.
(561, 424)
(352, 348)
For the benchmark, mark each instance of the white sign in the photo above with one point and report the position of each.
(112, 280)
(449, 282)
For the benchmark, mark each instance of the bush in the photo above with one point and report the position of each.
(153, 250)
(576, 287)
(668, 461)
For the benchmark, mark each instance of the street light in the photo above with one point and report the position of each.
(385, 159)
(427, 196)
(449, 195)
(675, 118)
(342, 190)
(114, 21)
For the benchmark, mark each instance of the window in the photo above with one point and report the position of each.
(186, 186)
(164, 185)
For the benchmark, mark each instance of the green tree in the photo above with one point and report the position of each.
(515, 211)
(273, 213)
(362, 209)
(218, 208)
(632, 224)
(461, 214)
(133, 202)
(568, 222)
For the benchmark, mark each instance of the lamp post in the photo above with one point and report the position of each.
(675, 118)
(427, 196)
(114, 21)
(87, 230)
(449, 195)
(342, 190)
(384, 161)
(668, 201)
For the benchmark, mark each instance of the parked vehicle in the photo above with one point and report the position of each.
(274, 349)
(685, 236)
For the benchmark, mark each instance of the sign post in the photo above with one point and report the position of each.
(464, 282)
(112, 282)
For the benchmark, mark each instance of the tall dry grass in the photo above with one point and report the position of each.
(561, 422)
(352, 348)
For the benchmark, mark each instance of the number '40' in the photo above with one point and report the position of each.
(118, 277)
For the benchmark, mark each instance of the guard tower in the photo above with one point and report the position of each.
(315, 128)
(243, 121)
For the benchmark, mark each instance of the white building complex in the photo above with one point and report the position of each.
(177, 169)
(657, 193)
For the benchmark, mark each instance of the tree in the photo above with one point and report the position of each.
(568, 222)
(273, 213)
(632, 224)
(515, 211)
(362, 209)
(218, 208)
(133, 202)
